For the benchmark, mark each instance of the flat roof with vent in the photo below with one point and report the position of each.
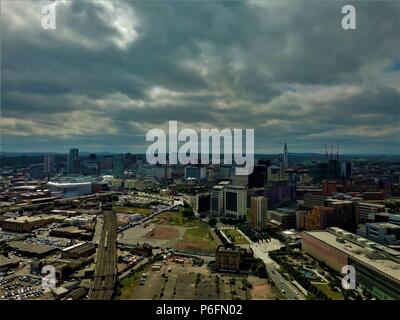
(360, 253)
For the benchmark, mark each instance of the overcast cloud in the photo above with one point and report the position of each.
(114, 69)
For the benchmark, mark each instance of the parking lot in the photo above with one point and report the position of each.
(175, 279)
(20, 288)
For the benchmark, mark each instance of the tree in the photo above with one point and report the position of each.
(187, 212)
(212, 222)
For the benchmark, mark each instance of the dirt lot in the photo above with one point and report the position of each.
(171, 230)
(184, 281)
(163, 233)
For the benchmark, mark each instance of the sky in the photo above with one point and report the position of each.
(112, 70)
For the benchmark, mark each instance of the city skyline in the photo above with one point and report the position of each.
(287, 70)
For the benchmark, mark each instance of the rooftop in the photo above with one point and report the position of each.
(24, 219)
(382, 263)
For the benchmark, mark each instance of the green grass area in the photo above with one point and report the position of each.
(175, 218)
(129, 283)
(130, 210)
(197, 236)
(236, 236)
(334, 295)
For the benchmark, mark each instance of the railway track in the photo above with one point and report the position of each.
(105, 275)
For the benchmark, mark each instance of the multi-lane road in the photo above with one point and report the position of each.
(105, 274)
(287, 289)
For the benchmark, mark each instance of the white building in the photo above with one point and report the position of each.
(69, 189)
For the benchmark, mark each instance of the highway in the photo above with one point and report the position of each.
(290, 292)
(105, 275)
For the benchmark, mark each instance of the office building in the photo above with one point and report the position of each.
(118, 167)
(345, 169)
(217, 200)
(345, 213)
(377, 266)
(258, 212)
(48, 164)
(73, 162)
(370, 212)
(327, 170)
(235, 202)
(203, 202)
(259, 176)
(285, 156)
(285, 218)
(381, 232)
(314, 199)
(279, 193)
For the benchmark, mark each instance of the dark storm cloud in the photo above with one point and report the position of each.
(113, 70)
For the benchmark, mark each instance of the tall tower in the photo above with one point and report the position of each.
(73, 161)
(48, 164)
(285, 157)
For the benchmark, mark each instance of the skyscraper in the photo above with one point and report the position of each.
(118, 167)
(235, 201)
(73, 163)
(48, 164)
(285, 157)
(258, 212)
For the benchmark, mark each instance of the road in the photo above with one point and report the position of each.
(280, 282)
(105, 274)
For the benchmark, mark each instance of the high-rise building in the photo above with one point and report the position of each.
(73, 163)
(259, 175)
(327, 170)
(285, 157)
(203, 202)
(217, 200)
(345, 213)
(236, 201)
(279, 193)
(258, 212)
(48, 164)
(345, 169)
(118, 167)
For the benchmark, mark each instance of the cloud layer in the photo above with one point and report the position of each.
(114, 69)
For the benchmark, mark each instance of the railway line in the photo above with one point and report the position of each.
(105, 275)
